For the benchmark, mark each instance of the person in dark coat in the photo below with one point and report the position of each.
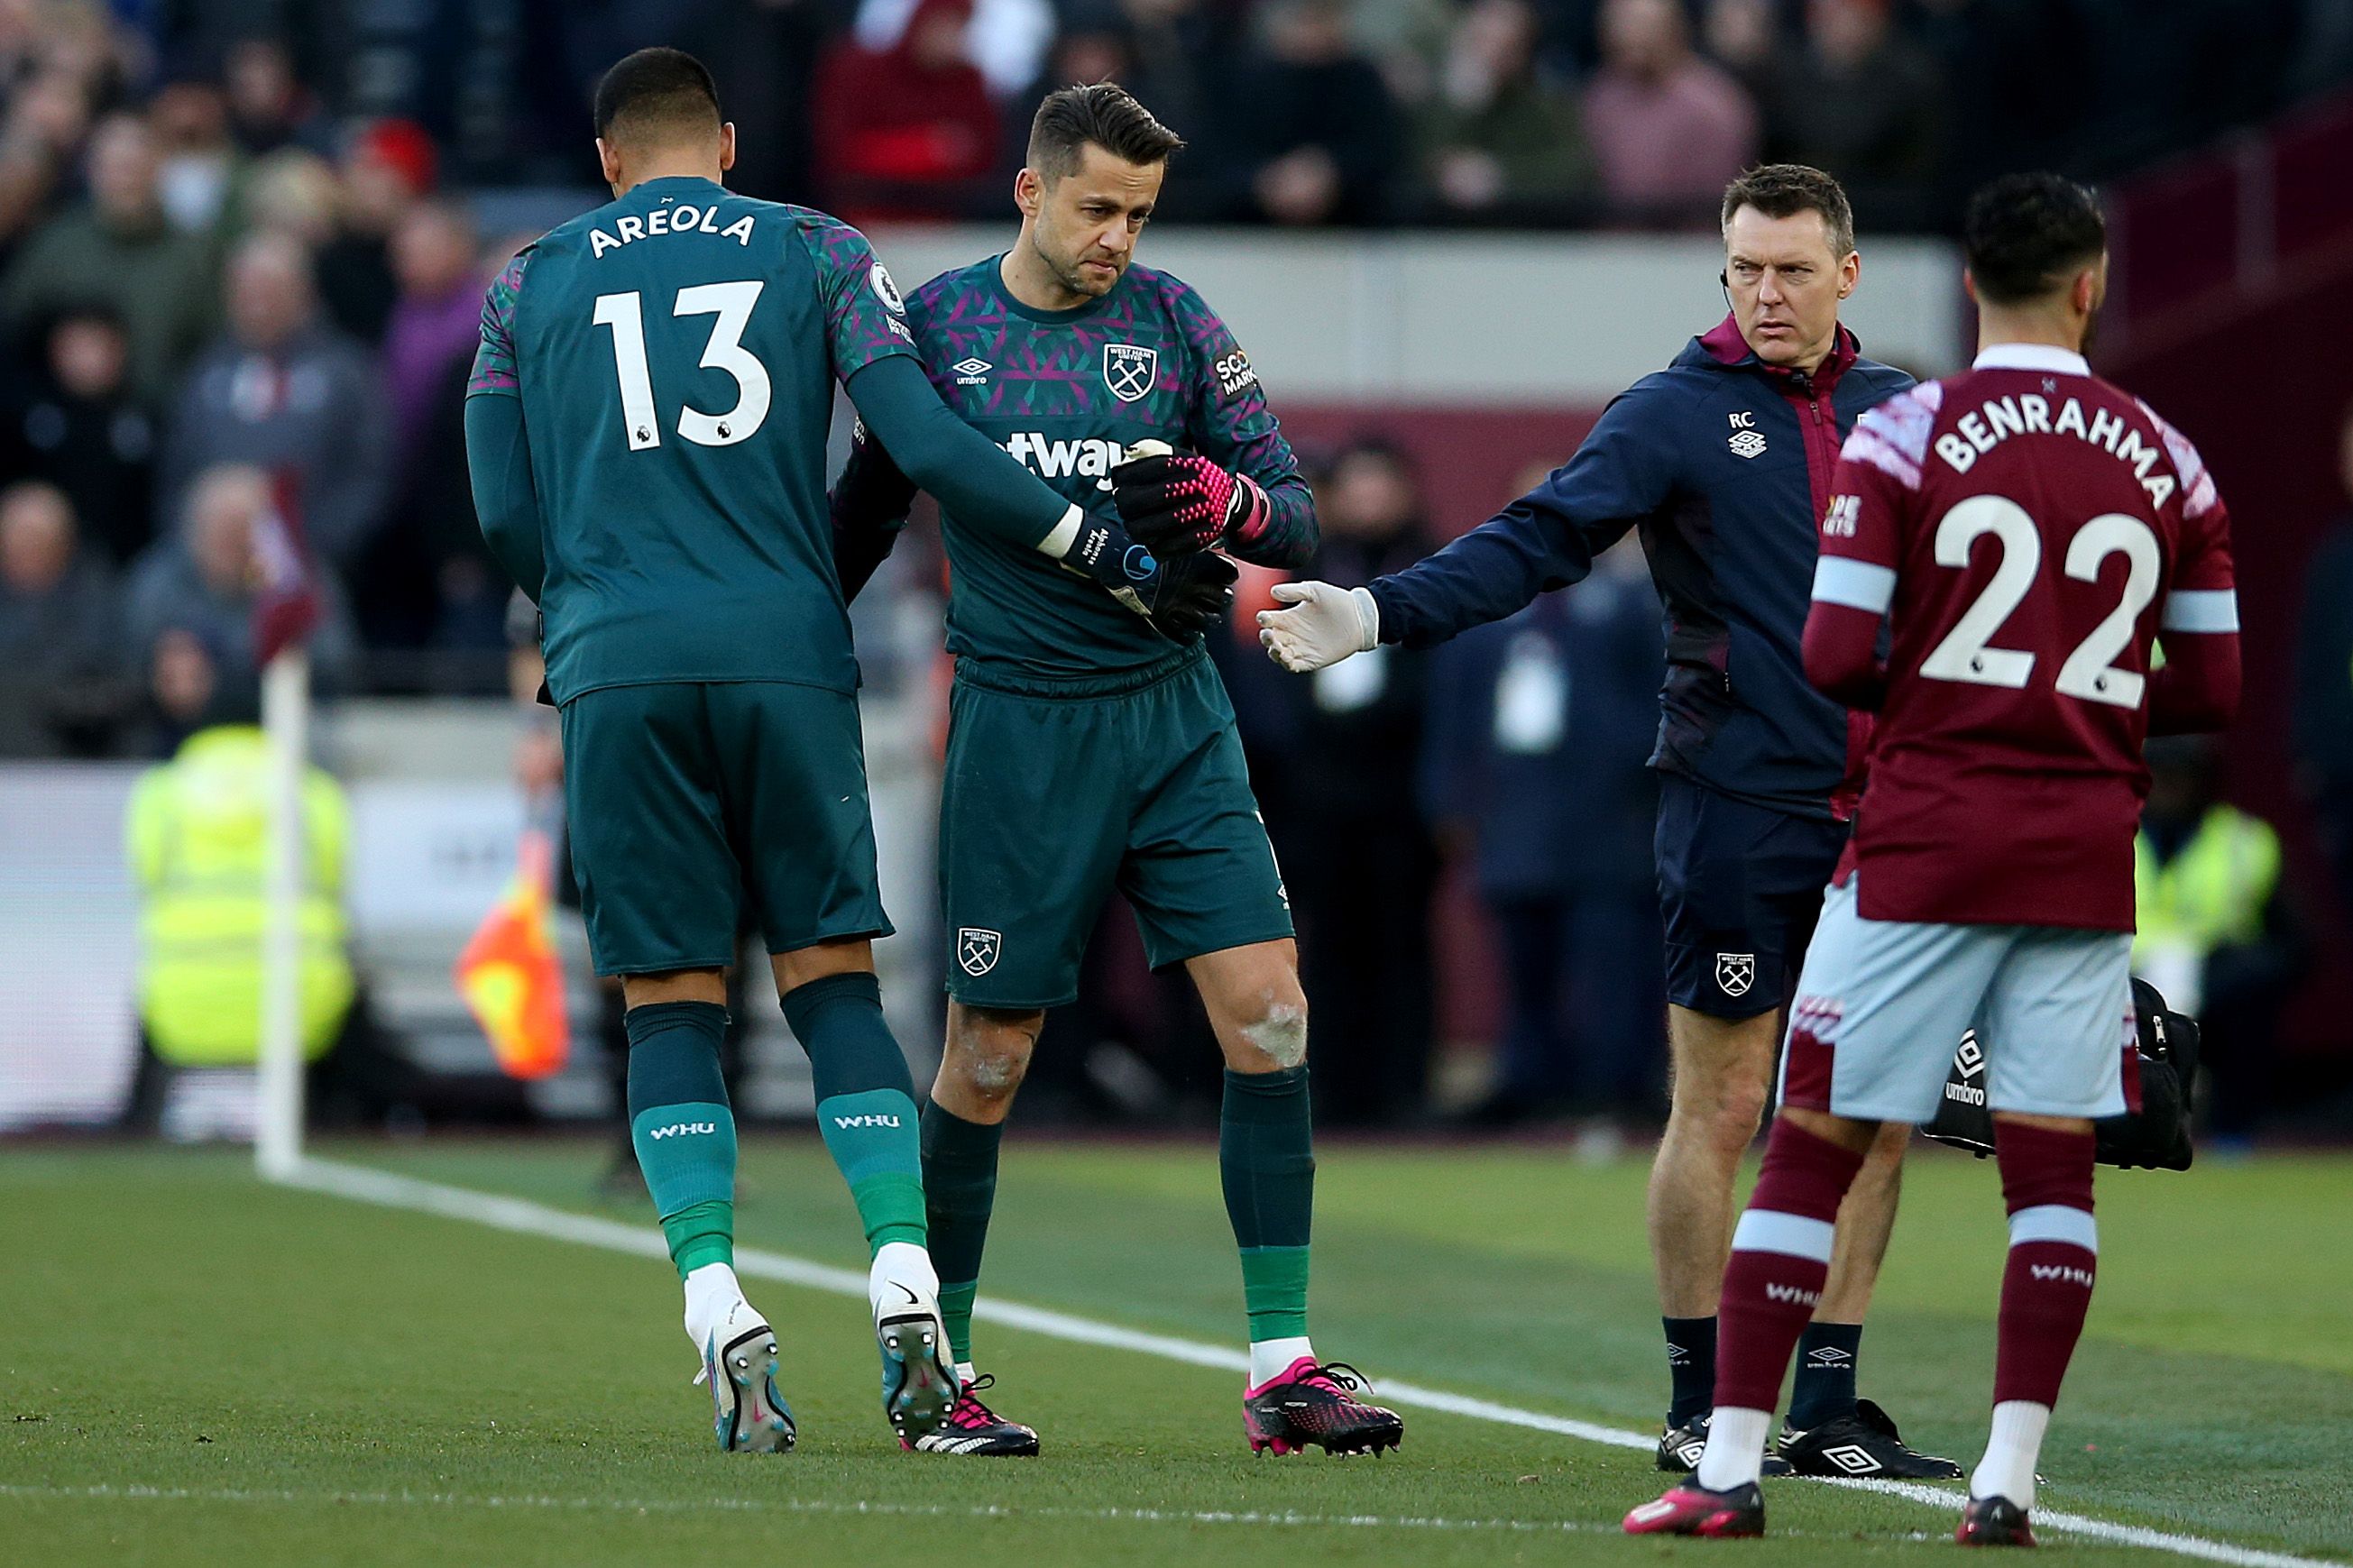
(1356, 851)
(1534, 762)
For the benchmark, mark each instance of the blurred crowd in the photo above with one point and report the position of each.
(242, 252)
(240, 259)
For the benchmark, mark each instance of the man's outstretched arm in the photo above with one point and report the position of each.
(1547, 539)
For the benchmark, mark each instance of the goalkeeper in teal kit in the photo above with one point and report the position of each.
(646, 428)
(1091, 743)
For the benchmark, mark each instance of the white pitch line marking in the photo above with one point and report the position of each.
(388, 1189)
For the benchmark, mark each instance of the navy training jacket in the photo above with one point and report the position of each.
(1724, 463)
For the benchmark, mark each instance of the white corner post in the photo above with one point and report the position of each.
(286, 719)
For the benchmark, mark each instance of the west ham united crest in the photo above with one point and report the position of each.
(1736, 973)
(1130, 371)
(977, 950)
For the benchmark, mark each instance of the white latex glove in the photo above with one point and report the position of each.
(1324, 624)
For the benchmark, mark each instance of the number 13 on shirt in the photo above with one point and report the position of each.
(732, 304)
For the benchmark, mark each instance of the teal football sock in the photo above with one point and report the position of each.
(681, 1126)
(865, 1101)
(1266, 1157)
(959, 1191)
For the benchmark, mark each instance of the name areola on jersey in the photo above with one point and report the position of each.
(1086, 456)
(683, 218)
(1996, 419)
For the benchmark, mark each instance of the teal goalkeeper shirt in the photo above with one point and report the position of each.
(675, 352)
(1066, 393)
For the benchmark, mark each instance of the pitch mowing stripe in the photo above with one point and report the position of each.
(388, 1189)
(808, 1506)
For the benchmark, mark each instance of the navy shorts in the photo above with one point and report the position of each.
(1740, 886)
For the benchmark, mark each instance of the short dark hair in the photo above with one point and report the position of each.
(2026, 235)
(658, 95)
(1785, 190)
(1103, 115)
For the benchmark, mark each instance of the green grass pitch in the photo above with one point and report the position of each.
(198, 1369)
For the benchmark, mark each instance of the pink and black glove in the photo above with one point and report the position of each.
(1178, 504)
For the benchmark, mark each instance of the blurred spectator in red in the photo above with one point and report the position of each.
(269, 106)
(1355, 849)
(201, 578)
(46, 116)
(1317, 128)
(60, 622)
(200, 167)
(2324, 684)
(1007, 41)
(1499, 137)
(285, 391)
(905, 131)
(1861, 101)
(386, 170)
(1668, 128)
(75, 425)
(1534, 765)
(118, 251)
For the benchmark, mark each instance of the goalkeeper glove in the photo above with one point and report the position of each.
(1179, 596)
(1179, 504)
(1324, 624)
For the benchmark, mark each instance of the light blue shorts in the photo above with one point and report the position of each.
(1882, 1004)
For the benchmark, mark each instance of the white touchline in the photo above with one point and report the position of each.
(367, 1185)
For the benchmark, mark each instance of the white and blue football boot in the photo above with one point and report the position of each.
(919, 1381)
(739, 1362)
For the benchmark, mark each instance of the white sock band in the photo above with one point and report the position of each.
(1273, 1358)
(2015, 1442)
(900, 1263)
(1736, 1447)
(711, 1291)
(1769, 1230)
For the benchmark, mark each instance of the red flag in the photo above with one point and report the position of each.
(286, 607)
(509, 973)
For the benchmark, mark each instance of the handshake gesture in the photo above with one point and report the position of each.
(1181, 506)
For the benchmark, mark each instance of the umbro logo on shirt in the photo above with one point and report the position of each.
(1746, 440)
(972, 371)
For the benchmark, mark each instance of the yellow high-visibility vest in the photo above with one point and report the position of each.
(197, 836)
(2211, 894)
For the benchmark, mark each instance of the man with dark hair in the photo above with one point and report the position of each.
(1968, 593)
(1091, 751)
(1723, 462)
(646, 427)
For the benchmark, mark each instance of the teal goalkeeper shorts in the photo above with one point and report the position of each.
(1057, 791)
(688, 803)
